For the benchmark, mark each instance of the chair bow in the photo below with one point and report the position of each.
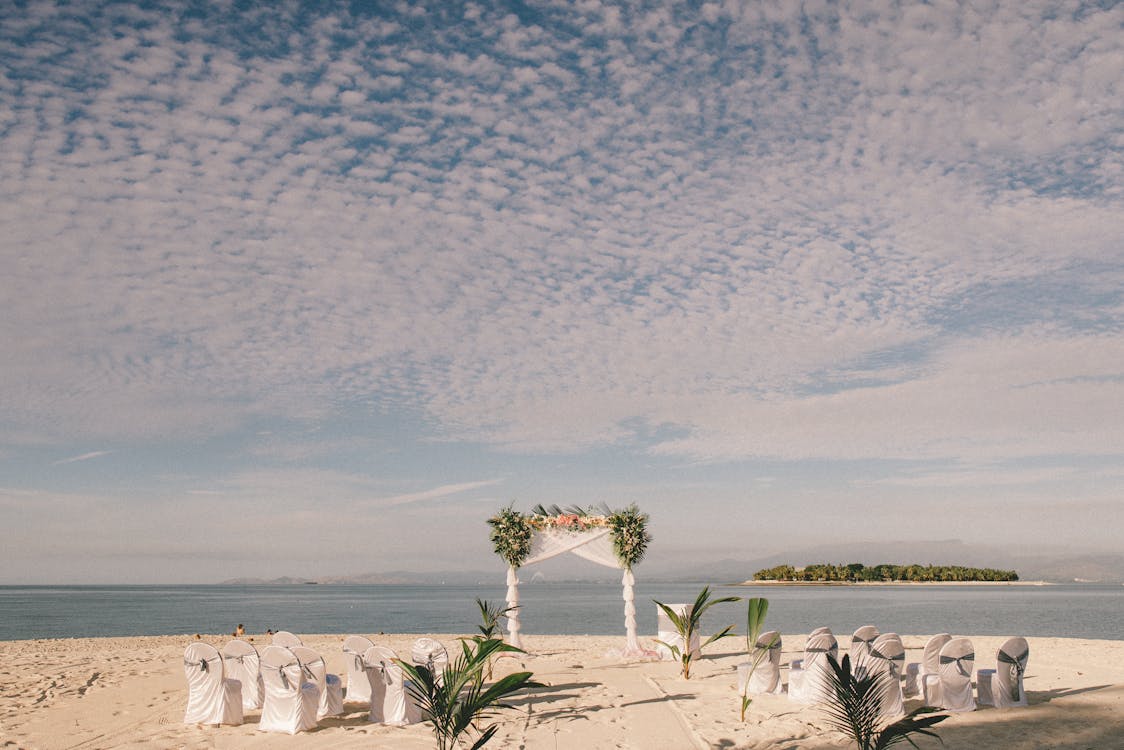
(959, 661)
(381, 666)
(284, 678)
(202, 664)
(1018, 662)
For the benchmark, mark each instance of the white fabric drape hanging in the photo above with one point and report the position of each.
(513, 626)
(595, 545)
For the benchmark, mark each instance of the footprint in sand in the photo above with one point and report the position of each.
(89, 683)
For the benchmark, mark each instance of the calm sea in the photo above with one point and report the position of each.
(26, 612)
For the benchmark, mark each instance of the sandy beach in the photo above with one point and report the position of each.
(131, 693)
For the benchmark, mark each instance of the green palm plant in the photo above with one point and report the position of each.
(755, 623)
(490, 615)
(855, 707)
(462, 698)
(688, 624)
(489, 626)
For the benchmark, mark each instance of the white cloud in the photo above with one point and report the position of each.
(435, 493)
(82, 457)
(719, 234)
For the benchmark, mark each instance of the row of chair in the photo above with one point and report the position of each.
(942, 679)
(289, 682)
(945, 674)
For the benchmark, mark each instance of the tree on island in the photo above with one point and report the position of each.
(858, 572)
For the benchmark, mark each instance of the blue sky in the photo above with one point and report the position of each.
(313, 289)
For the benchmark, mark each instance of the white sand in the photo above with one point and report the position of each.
(131, 693)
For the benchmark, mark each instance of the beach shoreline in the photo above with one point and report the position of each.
(131, 693)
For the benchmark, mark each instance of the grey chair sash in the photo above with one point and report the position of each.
(386, 678)
(1018, 662)
(360, 665)
(959, 662)
(202, 664)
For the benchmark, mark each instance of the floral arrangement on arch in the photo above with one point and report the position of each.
(575, 520)
(511, 536)
(512, 531)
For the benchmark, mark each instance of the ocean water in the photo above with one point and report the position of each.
(27, 612)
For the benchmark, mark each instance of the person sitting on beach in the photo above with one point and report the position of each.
(240, 631)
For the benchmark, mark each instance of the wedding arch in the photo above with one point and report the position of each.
(615, 539)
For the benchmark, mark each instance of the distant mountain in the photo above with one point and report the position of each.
(282, 581)
(395, 577)
(1084, 568)
(1057, 566)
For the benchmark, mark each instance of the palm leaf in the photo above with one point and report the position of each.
(755, 620)
(917, 722)
(857, 702)
(855, 708)
(688, 623)
(462, 698)
(727, 631)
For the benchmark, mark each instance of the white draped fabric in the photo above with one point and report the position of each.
(212, 698)
(595, 545)
(358, 686)
(241, 662)
(290, 701)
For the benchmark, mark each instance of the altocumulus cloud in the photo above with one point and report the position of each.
(719, 232)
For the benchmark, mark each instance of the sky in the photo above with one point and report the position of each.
(302, 289)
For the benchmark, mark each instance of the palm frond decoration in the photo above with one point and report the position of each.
(689, 623)
(459, 701)
(855, 709)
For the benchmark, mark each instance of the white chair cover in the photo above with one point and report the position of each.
(957, 661)
(766, 678)
(798, 663)
(241, 662)
(809, 680)
(667, 633)
(924, 678)
(1007, 682)
(931, 656)
(358, 685)
(391, 702)
(285, 639)
(861, 642)
(211, 697)
(886, 657)
(329, 685)
(290, 701)
(429, 653)
(898, 659)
